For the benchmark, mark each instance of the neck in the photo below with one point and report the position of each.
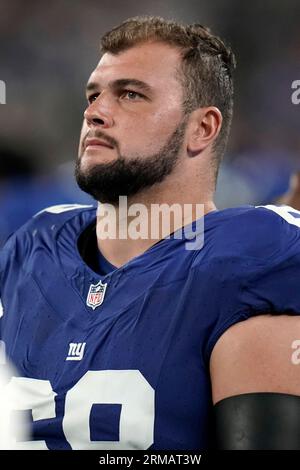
(134, 225)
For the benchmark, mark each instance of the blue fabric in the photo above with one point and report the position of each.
(150, 331)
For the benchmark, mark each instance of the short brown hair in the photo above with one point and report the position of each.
(207, 63)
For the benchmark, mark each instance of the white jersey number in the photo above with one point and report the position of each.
(128, 388)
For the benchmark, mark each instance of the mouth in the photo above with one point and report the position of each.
(96, 143)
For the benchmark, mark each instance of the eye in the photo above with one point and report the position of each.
(131, 95)
(92, 98)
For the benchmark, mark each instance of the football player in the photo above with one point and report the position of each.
(126, 342)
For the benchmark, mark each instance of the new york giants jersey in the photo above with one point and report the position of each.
(120, 360)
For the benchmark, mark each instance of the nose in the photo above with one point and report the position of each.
(97, 114)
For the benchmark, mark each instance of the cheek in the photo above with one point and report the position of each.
(164, 119)
(153, 130)
(169, 115)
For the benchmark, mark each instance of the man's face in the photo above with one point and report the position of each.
(134, 125)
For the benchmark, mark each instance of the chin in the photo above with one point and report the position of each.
(88, 161)
(95, 156)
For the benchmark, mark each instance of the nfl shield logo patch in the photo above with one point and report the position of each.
(96, 295)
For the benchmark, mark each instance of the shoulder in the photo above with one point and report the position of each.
(60, 214)
(261, 232)
(43, 228)
(256, 234)
(251, 266)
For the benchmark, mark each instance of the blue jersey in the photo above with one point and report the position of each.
(121, 360)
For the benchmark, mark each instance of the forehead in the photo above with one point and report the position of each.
(155, 63)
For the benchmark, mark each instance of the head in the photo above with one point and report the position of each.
(162, 92)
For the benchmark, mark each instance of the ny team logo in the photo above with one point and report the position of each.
(96, 295)
(76, 351)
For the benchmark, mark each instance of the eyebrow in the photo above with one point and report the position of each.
(122, 83)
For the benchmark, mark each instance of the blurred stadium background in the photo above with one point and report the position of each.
(48, 49)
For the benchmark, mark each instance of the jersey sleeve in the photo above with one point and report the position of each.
(37, 233)
(262, 277)
(8, 261)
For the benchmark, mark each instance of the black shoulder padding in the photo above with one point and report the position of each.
(258, 421)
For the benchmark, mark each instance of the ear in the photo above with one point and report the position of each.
(204, 127)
